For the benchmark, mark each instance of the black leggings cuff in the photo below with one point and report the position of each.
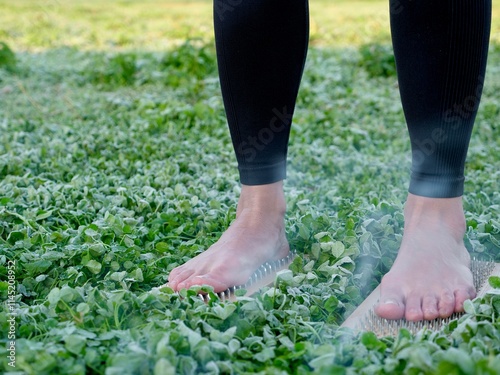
(263, 175)
(437, 186)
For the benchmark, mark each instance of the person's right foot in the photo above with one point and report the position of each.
(256, 236)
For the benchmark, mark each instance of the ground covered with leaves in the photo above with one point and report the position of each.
(116, 166)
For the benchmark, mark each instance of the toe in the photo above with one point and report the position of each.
(430, 307)
(218, 285)
(446, 304)
(461, 296)
(174, 281)
(413, 308)
(176, 272)
(390, 306)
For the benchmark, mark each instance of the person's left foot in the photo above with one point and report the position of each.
(431, 277)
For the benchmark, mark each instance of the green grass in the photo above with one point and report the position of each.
(116, 166)
(156, 25)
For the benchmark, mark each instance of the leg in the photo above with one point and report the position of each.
(261, 49)
(441, 51)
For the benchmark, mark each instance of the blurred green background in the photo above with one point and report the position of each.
(152, 24)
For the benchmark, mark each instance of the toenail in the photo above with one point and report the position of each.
(391, 302)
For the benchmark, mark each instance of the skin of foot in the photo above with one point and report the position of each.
(431, 275)
(256, 236)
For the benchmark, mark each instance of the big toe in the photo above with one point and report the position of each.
(390, 306)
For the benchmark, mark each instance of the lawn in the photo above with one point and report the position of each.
(116, 166)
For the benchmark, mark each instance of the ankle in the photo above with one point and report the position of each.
(268, 199)
(423, 213)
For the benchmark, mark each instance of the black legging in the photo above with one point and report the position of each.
(441, 50)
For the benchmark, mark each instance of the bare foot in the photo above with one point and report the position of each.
(256, 236)
(431, 277)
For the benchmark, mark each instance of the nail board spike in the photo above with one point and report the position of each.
(263, 276)
(365, 319)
